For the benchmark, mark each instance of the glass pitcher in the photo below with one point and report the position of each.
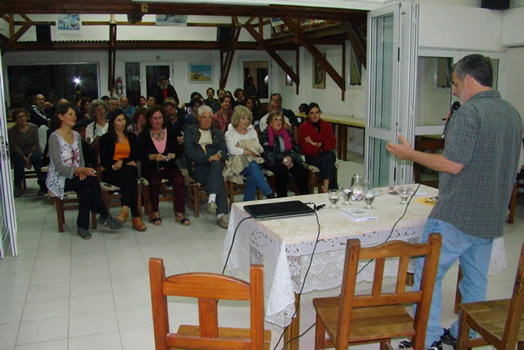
(360, 186)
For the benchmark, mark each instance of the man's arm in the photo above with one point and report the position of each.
(437, 162)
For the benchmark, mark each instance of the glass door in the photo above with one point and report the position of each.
(8, 226)
(392, 53)
(150, 73)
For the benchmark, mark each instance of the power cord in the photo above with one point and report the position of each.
(316, 208)
(233, 241)
(359, 271)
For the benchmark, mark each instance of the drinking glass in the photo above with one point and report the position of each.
(369, 197)
(404, 192)
(333, 196)
(346, 195)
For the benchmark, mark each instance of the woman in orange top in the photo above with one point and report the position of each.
(118, 155)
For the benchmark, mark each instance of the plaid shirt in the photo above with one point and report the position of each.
(484, 135)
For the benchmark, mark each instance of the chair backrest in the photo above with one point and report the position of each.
(208, 288)
(516, 306)
(404, 251)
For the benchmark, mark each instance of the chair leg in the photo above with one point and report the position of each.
(93, 220)
(59, 214)
(196, 197)
(320, 334)
(512, 204)
(463, 336)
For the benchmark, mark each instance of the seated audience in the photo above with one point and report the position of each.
(282, 156)
(25, 151)
(173, 116)
(151, 101)
(67, 172)
(205, 148)
(273, 106)
(193, 114)
(41, 111)
(99, 126)
(221, 93)
(288, 113)
(211, 101)
(158, 150)
(142, 102)
(239, 97)
(317, 140)
(222, 118)
(254, 107)
(139, 121)
(244, 151)
(126, 107)
(119, 155)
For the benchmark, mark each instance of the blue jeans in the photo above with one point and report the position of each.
(255, 179)
(474, 254)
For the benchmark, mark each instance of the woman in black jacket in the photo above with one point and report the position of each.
(158, 150)
(118, 155)
(282, 155)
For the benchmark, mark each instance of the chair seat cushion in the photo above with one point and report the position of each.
(490, 317)
(367, 323)
(225, 333)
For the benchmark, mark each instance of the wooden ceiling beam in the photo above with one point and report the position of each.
(326, 65)
(16, 35)
(358, 41)
(128, 6)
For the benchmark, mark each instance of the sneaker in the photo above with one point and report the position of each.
(448, 339)
(223, 221)
(211, 208)
(110, 222)
(436, 345)
(85, 234)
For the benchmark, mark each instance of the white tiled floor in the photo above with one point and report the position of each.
(62, 292)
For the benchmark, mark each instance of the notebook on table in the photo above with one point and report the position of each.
(278, 209)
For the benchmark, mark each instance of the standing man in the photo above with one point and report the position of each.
(41, 111)
(477, 171)
(164, 90)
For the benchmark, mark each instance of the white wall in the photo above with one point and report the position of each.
(513, 27)
(458, 27)
(514, 78)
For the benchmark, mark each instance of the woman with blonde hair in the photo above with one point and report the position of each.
(244, 152)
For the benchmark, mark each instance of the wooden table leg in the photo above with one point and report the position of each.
(339, 140)
(293, 330)
(344, 132)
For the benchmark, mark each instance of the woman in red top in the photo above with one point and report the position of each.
(318, 141)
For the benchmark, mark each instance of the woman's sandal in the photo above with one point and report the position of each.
(156, 221)
(183, 220)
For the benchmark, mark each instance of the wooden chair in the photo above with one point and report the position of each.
(378, 316)
(70, 202)
(314, 178)
(208, 288)
(167, 194)
(498, 322)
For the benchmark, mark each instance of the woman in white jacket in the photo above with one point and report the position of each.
(243, 148)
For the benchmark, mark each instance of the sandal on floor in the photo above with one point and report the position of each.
(183, 220)
(156, 221)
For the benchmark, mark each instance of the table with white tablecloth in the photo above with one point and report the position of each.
(284, 245)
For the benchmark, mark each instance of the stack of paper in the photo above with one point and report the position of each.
(358, 214)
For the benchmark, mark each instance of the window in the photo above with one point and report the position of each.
(54, 81)
(355, 68)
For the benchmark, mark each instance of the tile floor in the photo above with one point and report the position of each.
(62, 292)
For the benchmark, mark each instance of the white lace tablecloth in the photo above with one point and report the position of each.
(284, 246)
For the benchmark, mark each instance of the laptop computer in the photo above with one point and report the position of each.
(278, 209)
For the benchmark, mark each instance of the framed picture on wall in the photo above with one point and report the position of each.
(200, 73)
(69, 24)
(319, 74)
